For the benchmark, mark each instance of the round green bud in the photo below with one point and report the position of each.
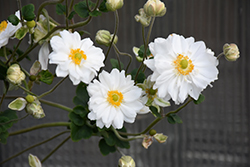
(31, 24)
(32, 78)
(152, 132)
(29, 98)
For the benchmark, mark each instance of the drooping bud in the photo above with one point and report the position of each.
(126, 161)
(143, 18)
(155, 8)
(35, 109)
(34, 161)
(15, 75)
(113, 5)
(103, 37)
(231, 52)
(160, 137)
(18, 104)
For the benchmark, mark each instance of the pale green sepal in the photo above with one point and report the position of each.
(160, 137)
(21, 32)
(161, 102)
(18, 104)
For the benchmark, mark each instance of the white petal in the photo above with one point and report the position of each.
(43, 56)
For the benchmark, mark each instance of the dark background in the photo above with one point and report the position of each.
(215, 133)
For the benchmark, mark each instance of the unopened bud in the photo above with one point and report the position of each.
(231, 52)
(103, 37)
(30, 98)
(34, 161)
(15, 75)
(113, 5)
(143, 18)
(35, 109)
(155, 8)
(152, 132)
(126, 161)
(115, 40)
(31, 24)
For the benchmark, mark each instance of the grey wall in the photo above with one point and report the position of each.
(213, 134)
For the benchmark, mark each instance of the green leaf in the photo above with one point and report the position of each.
(3, 137)
(82, 9)
(80, 132)
(140, 78)
(60, 9)
(71, 15)
(122, 144)
(109, 137)
(142, 50)
(3, 70)
(13, 19)
(173, 118)
(4, 127)
(46, 77)
(10, 114)
(82, 94)
(103, 7)
(105, 148)
(155, 111)
(200, 99)
(79, 110)
(115, 64)
(28, 12)
(76, 119)
(95, 13)
(78, 102)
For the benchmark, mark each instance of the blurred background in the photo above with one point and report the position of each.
(215, 133)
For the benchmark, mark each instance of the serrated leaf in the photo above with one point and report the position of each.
(80, 132)
(115, 64)
(103, 7)
(78, 102)
(13, 19)
(46, 77)
(200, 99)
(71, 15)
(154, 110)
(60, 9)
(140, 78)
(76, 119)
(105, 148)
(3, 137)
(95, 13)
(109, 137)
(28, 12)
(82, 9)
(80, 111)
(82, 94)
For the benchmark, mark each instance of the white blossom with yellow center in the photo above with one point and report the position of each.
(181, 67)
(113, 99)
(75, 57)
(7, 30)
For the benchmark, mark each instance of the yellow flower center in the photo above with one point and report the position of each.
(115, 98)
(3, 25)
(77, 55)
(183, 64)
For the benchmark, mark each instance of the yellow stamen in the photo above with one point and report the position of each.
(115, 98)
(3, 25)
(183, 64)
(77, 55)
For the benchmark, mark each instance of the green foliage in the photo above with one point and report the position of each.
(82, 96)
(95, 13)
(21, 32)
(140, 78)
(80, 132)
(81, 111)
(28, 12)
(115, 64)
(71, 15)
(103, 7)
(60, 9)
(76, 119)
(155, 111)
(200, 99)
(46, 77)
(13, 19)
(105, 148)
(3, 70)
(173, 118)
(142, 50)
(82, 9)
(5, 117)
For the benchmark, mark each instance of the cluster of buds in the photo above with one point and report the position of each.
(103, 37)
(15, 74)
(231, 52)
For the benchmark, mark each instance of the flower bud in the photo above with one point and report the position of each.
(31, 24)
(152, 132)
(30, 98)
(15, 75)
(113, 5)
(143, 18)
(18, 104)
(35, 109)
(231, 52)
(155, 8)
(160, 137)
(126, 161)
(34, 161)
(115, 40)
(103, 37)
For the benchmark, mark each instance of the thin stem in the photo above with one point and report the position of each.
(13, 54)
(51, 90)
(66, 14)
(33, 146)
(219, 56)
(4, 94)
(5, 53)
(20, 9)
(181, 107)
(115, 32)
(14, 120)
(26, 90)
(125, 54)
(55, 149)
(56, 105)
(122, 138)
(53, 124)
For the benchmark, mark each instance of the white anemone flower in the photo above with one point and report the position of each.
(113, 99)
(75, 57)
(181, 67)
(7, 30)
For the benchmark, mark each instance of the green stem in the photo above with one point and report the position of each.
(125, 54)
(4, 94)
(33, 146)
(56, 105)
(67, 14)
(5, 53)
(20, 9)
(181, 107)
(219, 56)
(13, 54)
(51, 90)
(125, 139)
(53, 124)
(13, 120)
(115, 32)
(26, 90)
(55, 149)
